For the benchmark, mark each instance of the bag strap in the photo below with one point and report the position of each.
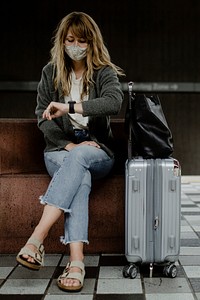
(130, 90)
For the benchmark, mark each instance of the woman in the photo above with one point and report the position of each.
(79, 89)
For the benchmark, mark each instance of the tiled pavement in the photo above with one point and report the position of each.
(104, 280)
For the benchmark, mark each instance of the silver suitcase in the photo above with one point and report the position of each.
(152, 211)
(152, 214)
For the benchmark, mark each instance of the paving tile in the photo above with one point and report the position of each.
(24, 286)
(7, 260)
(88, 288)
(198, 296)
(190, 260)
(190, 243)
(166, 285)
(192, 271)
(120, 297)
(189, 251)
(181, 296)
(119, 286)
(193, 220)
(24, 273)
(112, 272)
(5, 271)
(52, 260)
(195, 283)
(113, 260)
(195, 198)
(189, 235)
(68, 297)
(89, 260)
(21, 297)
(196, 227)
(191, 209)
(189, 213)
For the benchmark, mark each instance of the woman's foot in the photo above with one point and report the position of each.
(32, 254)
(73, 276)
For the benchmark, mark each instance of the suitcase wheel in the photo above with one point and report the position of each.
(170, 271)
(130, 271)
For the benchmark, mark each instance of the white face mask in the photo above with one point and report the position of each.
(75, 52)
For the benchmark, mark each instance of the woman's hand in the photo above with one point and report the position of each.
(55, 110)
(70, 146)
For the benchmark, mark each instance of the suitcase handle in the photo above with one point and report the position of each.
(130, 90)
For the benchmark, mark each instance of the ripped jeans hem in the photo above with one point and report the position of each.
(62, 240)
(43, 202)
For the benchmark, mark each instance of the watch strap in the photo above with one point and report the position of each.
(71, 107)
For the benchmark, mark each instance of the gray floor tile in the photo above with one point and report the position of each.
(166, 285)
(120, 297)
(189, 235)
(112, 272)
(24, 286)
(190, 251)
(198, 296)
(89, 260)
(8, 260)
(52, 260)
(24, 273)
(193, 220)
(68, 297)
(190, 209)
(170, 297)
(190, 260)
(5, 271)
(192, 271)
(196, 227)
(186, 228)
(195, 283)
(190, 243)
(119, 286)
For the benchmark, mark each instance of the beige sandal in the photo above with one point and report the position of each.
(38, 256)
(72, 275)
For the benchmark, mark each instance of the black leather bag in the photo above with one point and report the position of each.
(149, 133)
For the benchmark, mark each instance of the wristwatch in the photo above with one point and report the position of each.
(71, 107)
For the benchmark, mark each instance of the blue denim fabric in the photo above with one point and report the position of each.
(81, 135)
(69, 189)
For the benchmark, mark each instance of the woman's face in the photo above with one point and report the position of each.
(72, 40)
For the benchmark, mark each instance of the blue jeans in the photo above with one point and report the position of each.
(70, 186)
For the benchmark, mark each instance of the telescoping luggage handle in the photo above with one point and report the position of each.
(130, 90)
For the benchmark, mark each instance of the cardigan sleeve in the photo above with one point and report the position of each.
(109, 95)
(52, 130)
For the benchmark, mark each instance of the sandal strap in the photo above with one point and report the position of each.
(76, 263)
(37, 244)
(38, 256)
(74, 275)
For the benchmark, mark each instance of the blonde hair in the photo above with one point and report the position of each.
(82, 26)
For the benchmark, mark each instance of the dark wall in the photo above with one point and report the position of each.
(151, 40)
